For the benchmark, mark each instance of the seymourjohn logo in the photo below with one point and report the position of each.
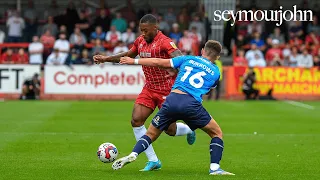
(264, 15)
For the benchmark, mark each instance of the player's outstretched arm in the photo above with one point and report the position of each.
(158, 62)
(114, 58)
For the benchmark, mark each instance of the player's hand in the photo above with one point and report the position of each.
(171, 72)
(99, 59)
(126, 60)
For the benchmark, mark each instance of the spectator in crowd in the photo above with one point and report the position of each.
(240, 41)
(120, 23)
(61, 20)
(84, 7)
(314, 26)
(240, 60)
(293, 58)
(187, 44)
(72, 16)
(30, 16)
(55, 58)
(85, 59)
(183, 22)
(296, 30)
(120, 48)
(78, 39)
(278, 35)
(170, 17)
(250, 55)
(199, 25)
(31, 88)
(196, 35)
(277, 60)
(133, 26)
(227, 34)
(274, 53)
(163, 25)
(83, 23)
(74, 58)
(316, 61)
(47, 38)
(98, 48)
(97, 34)
(154, 12)
(242, 28)
(63, 45)
(2, 36)
(258, 41)
(286, 52)
(305, 60)
(128, 12)
(175, 35)
(248, 83)
(8, 57)
(103, 21)
(63, 29)
(15, 26)
(113, 36)
(312, 39)
(258, 61)
(295, 41)
(22, 57)
(52, 10)
(35, 50)
(268, 44)
(128, 37)
(51, 26)
(255, 26)
(317, 52)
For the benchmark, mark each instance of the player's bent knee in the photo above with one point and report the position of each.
(170, 133)
(137, 123)
(172, 129)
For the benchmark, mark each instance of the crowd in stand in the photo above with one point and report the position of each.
(293, 44)
(76, 34)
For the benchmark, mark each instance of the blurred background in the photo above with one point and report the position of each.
(46, 47)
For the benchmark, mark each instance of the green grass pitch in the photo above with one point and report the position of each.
(58, 140)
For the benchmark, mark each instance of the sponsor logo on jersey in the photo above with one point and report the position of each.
(145, 54)
(156, 120)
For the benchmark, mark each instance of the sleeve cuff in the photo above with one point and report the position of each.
(171, 63)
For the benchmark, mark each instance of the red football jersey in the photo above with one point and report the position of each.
(161, 47)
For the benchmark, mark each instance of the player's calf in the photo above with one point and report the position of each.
(216, 144)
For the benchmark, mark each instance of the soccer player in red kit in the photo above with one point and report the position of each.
(152, 43)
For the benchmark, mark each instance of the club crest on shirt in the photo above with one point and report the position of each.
(173, 45)
(140, 46)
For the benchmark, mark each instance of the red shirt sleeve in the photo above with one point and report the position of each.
(135, 45)
(169, 46)
(269, 55)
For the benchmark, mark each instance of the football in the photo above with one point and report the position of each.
(107, 152)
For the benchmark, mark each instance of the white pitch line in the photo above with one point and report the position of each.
(299, 104)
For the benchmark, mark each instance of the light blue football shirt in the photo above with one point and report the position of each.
(197, 75)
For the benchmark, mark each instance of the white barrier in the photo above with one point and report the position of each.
(13, 76)
(81, 79)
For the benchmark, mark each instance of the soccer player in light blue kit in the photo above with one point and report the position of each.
(197, 75)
